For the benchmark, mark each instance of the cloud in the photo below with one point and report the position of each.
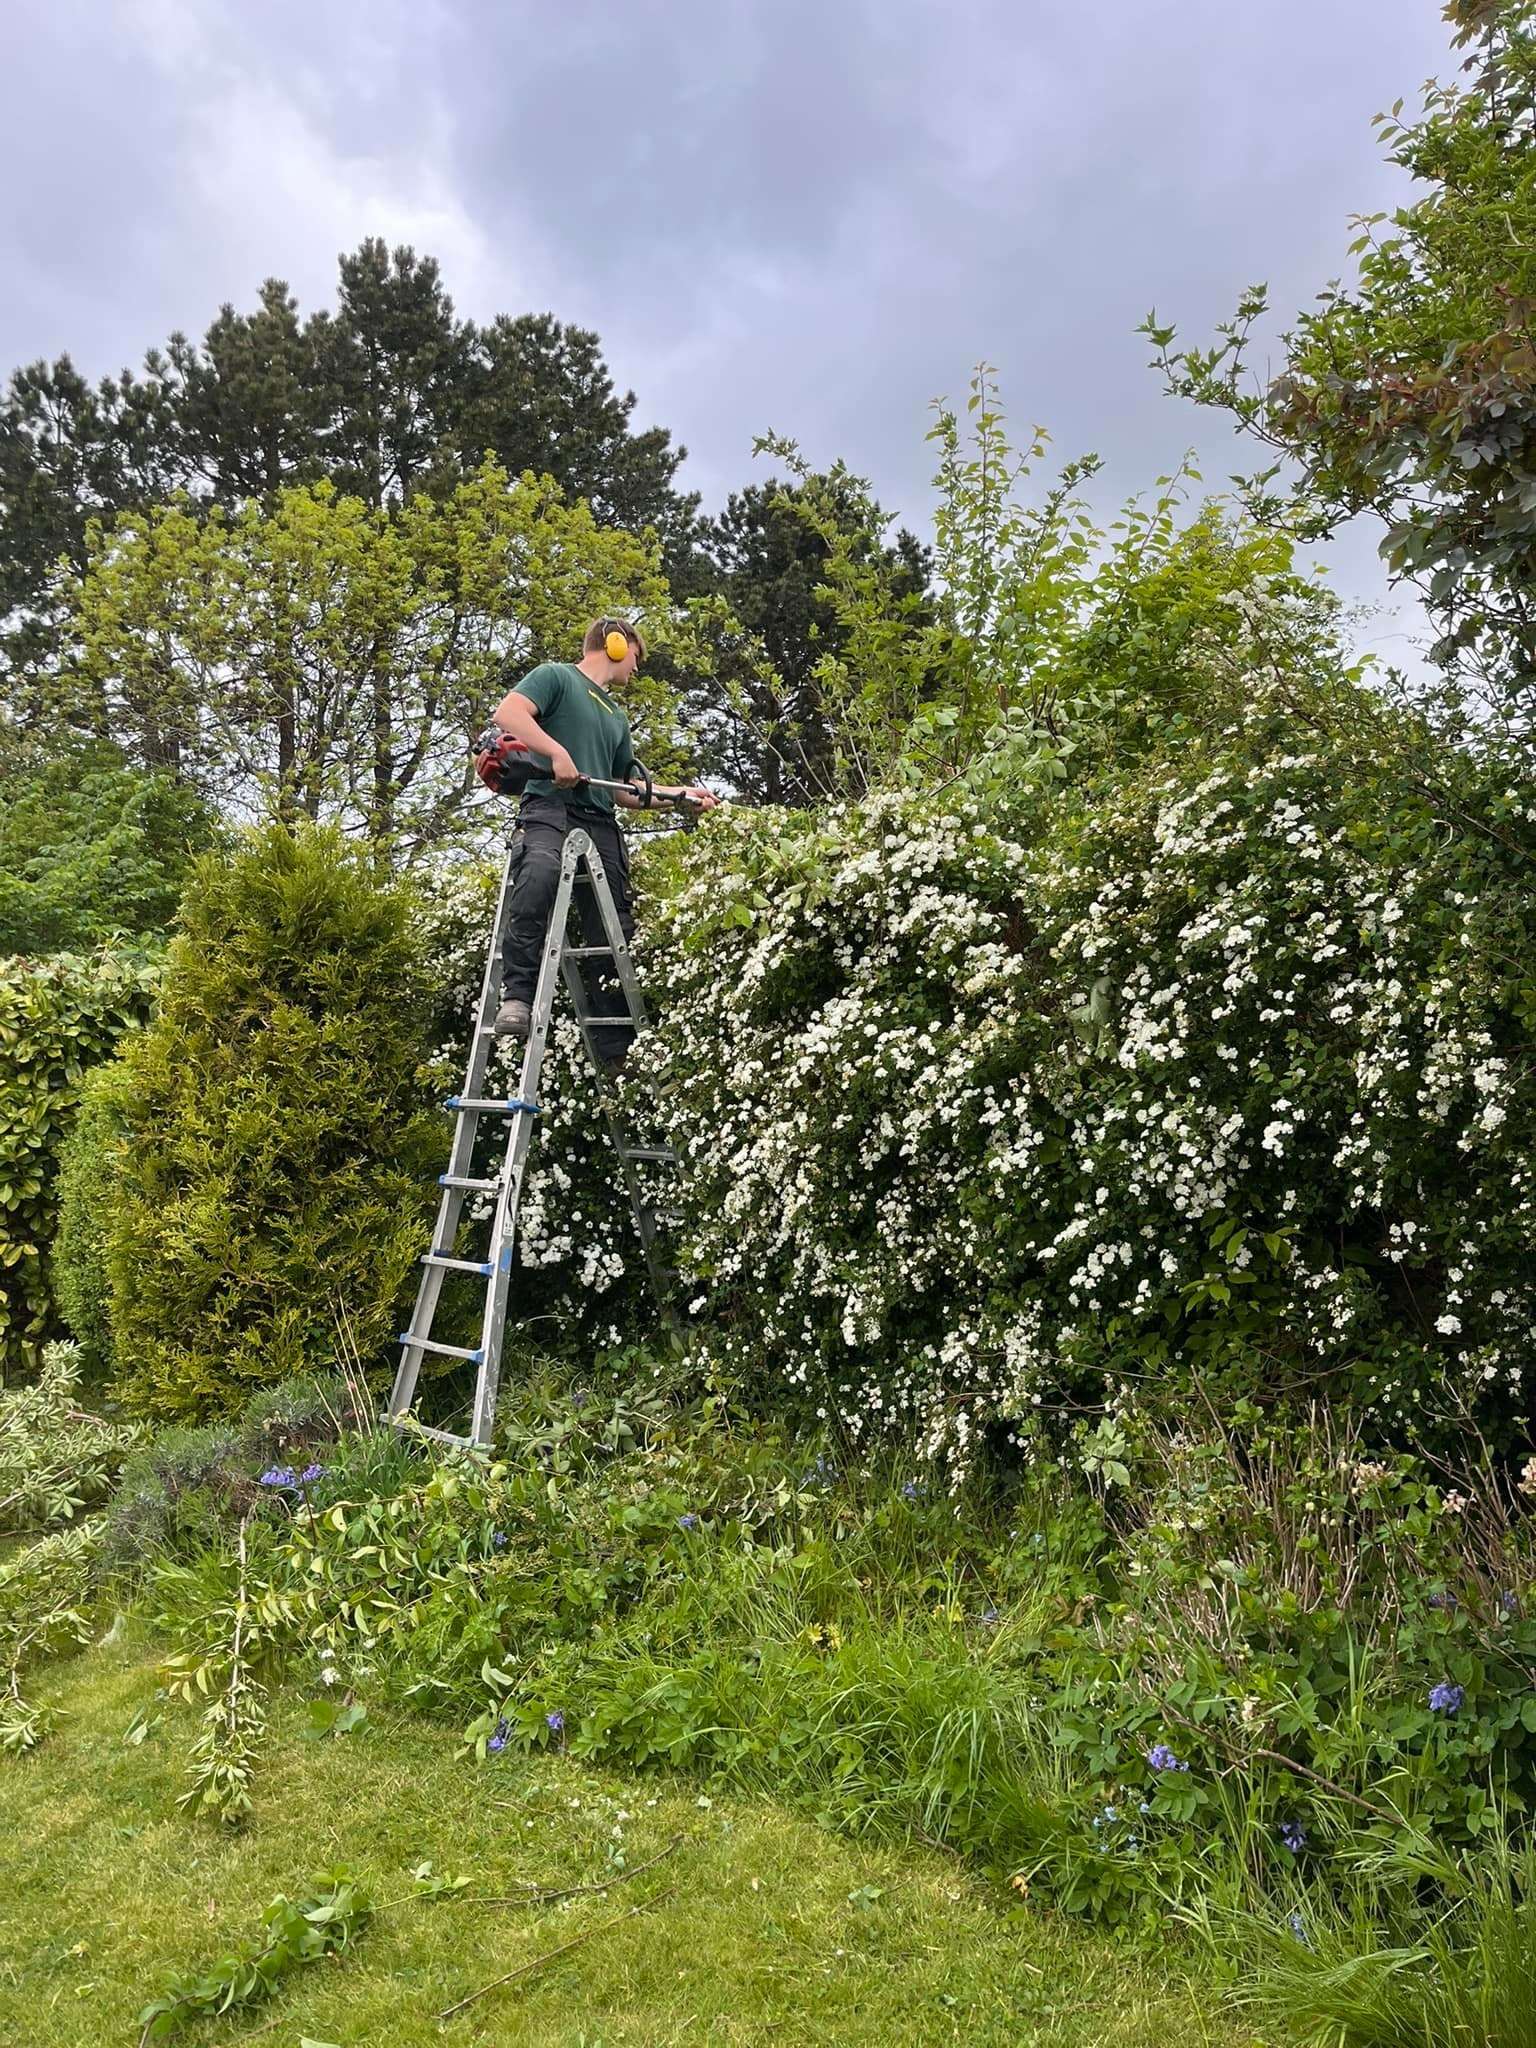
(806, 216)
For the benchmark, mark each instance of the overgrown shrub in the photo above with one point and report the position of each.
(1208, 1074)
(58, 1017)
(278, 1148)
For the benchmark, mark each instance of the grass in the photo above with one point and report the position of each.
(764, 1928)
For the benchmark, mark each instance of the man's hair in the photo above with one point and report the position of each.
(599, 630)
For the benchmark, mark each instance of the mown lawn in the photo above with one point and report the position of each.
(763, 1927)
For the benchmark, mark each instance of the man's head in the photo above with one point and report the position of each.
(598, 656)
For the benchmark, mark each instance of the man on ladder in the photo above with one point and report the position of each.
(568, 713)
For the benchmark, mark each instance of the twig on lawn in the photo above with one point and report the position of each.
(546, 1895)
(538, 1962)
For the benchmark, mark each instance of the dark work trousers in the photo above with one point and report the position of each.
(542, 823)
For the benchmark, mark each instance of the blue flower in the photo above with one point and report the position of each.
(1161, 1758)
(1445, 1600)
(555, 1722)
(1507, 1603)
(278, 1475)
(499, 1740)
(1293, 1835)
(310, 1474)
(911, 1490)
(989, 1617)
(498, 1539)
(1145, 1806)
(1446, 1698)
(687, 1521)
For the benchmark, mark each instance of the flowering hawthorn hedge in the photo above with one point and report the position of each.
(1215, 1078)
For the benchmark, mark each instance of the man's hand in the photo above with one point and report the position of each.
(563, 770)
(698, 796)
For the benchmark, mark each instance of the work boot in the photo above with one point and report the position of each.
(513, 1020)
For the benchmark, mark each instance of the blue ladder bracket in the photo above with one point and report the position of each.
(512, 1106)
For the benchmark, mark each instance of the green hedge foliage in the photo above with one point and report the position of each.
(273, 1146)
(58, 1018)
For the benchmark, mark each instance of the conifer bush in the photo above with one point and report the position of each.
(275, 1144)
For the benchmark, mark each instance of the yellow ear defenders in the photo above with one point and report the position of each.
(615, 643)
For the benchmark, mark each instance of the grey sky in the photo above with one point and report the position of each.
(775, 213)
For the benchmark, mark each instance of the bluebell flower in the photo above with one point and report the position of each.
(1445, 1600)
(1294, 1836)
(1507, 1603)
(498, 1741)
(1161, 1758)
(498, 1539)
(687, 1521)
(555, 1722)
(277, 1475)
(911, 1490)
(1446, 1698)
(310, 1474)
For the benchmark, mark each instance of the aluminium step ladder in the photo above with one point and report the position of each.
(580, 868)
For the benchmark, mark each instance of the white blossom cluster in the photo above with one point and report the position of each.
(988, 1115)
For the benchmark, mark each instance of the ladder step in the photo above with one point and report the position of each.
(442, 1436)
(502, 1105)
(661, 1152)
(442, 1350)
(601, 1023)
(453, 1265)
(464, 1180)
(589, 952)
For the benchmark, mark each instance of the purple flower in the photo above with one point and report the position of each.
(310, 1474)
(1293, 1835)
(555, 1722)
(499, 1740)
(911, 1490)
(1161, 1758)
(687, 1521)
(1507, 1603)
(1447, 1601)
(989, 1617)
(1446, 1698)
(277, 1475)
(498, 1539)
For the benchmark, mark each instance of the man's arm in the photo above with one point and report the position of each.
(519, 717)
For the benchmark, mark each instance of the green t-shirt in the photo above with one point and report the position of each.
(588, 723)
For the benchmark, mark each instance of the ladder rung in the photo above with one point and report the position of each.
(648, 1152)
(506, 1106)
(463, 1180)
(443, 1350)
(454, 1265)
(589, 952)
(442, 1436)
(601, 1023)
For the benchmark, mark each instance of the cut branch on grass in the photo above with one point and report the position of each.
(550, 1955)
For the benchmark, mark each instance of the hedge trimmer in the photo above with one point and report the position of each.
(508, 766)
